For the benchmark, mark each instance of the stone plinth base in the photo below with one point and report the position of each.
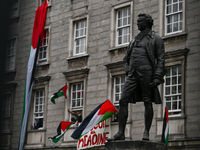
(135, 145)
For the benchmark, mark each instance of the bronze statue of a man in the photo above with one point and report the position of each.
(144, 65)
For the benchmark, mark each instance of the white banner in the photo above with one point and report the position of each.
(96, 136)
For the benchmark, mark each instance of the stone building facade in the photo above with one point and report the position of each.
(83, 47)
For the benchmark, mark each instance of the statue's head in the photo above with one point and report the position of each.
(144, 21)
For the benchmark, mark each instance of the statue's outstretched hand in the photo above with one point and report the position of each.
(155, 82)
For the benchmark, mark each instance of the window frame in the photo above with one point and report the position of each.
(120, 89)
(80, 37)
(45, 60)
(71, 36)
(162, 20)
(122, 27)
(176, 58)
(43, 105)
(13, 55)
(71, 98)
(113, 36)
(173, 14)
(171, 95)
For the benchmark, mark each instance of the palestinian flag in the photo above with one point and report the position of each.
(165, 131)
(61, 92)
(99, 114)
(38, 29)
(61, 130)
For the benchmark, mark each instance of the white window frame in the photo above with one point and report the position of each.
(123, 26)
(179, 12)
(81, 91)
(80, 37)
(113, 30)
(6, 108)
(178, 94)
(43, 105)
(72, 35)
(11, 55)
(47, 45)
(120, 87)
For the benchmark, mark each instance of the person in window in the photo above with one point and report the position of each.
(78, 118)
(39, 124)
(144, 64)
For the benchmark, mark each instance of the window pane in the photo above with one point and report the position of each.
(175, 27)
(73, 103)
(74, 95)
(167, 90)
(175, 17)
(168, 105)
(169, 19)
(174, 105)
(169, 9)
(119, 14)
(179, 89)
(169, 28)
(125, 21)
(175, 7)
(168, 98)
(119, 22)
(180, 6)
(117, 89)
(120, 40)
(78, 102)
(174, 80)
(174, 89)
(117, 97)
(169, 1)
(167, 81)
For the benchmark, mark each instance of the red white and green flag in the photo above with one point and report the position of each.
(61, 92)
(39, 22)
(99, 114)
(61, 130)
(165, 131)
(96, 136)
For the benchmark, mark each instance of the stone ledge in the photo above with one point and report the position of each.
(135, 145)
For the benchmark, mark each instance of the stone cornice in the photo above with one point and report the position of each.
(42, 79)
(81, 71)
(176, 53)
(115, 64)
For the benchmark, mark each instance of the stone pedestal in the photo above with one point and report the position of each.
(135, 145)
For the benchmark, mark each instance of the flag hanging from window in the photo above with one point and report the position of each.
(61, 92)
(38, 28)
(99, 114)
(165, 131)
(61, 130)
